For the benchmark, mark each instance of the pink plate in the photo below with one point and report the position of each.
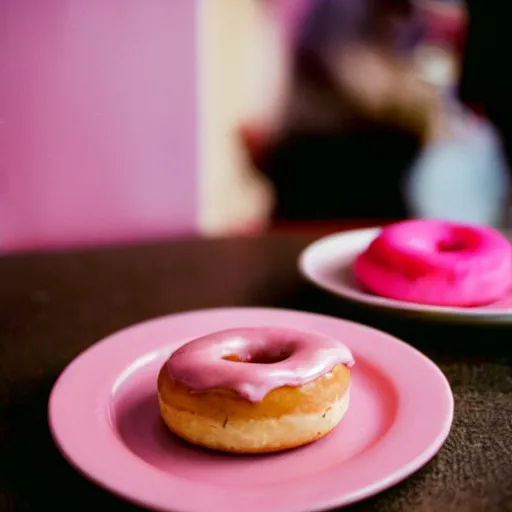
(104, 417)
(328, 264)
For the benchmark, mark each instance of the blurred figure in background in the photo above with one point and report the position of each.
(370, 128)
(462, 175)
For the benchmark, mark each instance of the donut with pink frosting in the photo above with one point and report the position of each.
(437, 263)
(255, 390)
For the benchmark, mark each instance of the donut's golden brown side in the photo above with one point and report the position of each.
(286, 418)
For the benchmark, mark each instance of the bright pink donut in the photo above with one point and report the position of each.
(280, 357)
(437, 263)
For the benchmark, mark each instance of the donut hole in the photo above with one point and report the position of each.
(459, 239)
(262, 357)
(452, 245)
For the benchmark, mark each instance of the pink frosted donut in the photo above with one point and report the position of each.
(437, 263)
(255, 390)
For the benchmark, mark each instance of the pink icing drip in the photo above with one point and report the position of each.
(300, 358)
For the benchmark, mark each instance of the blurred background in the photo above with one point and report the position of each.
(130, 120)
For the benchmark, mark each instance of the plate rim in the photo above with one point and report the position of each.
(387, 304)
(369, 490)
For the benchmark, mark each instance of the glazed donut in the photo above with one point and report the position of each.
(437, 263)
(255, 390)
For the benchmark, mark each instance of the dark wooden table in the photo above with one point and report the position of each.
(53, 306)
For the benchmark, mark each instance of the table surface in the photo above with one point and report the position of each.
(53, 306)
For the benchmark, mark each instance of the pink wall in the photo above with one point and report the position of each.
(98, 121)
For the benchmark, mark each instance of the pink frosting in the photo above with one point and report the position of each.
(271, 357)
(437, 262)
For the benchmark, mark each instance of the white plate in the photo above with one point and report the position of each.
(328, 264)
